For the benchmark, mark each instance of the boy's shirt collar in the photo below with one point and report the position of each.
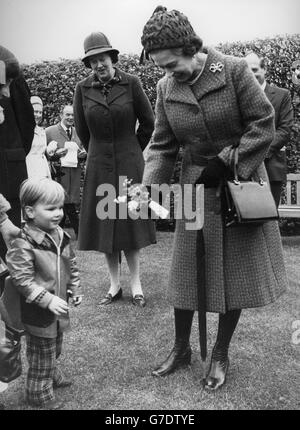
(39, 235)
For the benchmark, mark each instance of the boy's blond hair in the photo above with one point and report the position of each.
(36, 190)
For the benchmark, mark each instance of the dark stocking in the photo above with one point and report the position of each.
(227, 325)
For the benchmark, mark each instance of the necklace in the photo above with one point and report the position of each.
(195, 79)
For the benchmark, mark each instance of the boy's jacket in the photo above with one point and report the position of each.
(40, 269)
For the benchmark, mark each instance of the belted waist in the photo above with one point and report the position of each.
(201, 160)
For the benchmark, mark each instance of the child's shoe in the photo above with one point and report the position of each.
(50, 404)
(64, 383)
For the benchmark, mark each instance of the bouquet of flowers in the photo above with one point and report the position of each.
(137, 195)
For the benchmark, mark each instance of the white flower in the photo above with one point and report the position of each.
(121, 199)
(133, 205)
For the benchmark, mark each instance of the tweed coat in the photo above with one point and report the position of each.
(244, 265)
(114, 143)
(275, 161)
(71, 178)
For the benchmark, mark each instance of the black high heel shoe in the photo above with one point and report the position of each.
(217, 373)
(109, 298)
(178, 357)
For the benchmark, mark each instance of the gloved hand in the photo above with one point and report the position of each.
(212, 173)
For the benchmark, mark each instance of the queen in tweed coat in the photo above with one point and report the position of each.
(244, 266)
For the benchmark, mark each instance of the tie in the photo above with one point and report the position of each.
(69, 133)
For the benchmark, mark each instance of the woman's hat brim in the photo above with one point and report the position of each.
(96, 51)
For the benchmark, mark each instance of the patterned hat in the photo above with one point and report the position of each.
(166, 29)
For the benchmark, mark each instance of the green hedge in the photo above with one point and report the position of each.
(55, 81)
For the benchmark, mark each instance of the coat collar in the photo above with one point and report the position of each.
(117, 90)
(269, 89)
(39, 235)
(208, 81)
(39, 131)
(63, 131)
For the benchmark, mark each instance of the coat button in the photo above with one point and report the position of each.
(194, 109)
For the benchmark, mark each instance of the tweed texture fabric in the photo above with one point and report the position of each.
(166, 29)
(244, 265)
(42, 354)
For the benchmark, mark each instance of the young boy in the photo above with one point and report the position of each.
(44, 270)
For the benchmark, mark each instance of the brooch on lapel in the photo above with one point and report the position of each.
(216, 67)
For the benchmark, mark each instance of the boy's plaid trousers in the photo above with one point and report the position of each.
(41, 355)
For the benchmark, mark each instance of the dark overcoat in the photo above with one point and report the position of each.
(16, 134)
(244, 266)
(275, 162)
(114, 142)
(70, 180)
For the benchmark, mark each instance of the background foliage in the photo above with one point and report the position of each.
(55, 81)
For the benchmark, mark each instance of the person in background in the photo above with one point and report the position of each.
(40, 252)
(16, 133)
(36, 160)
(114, 121)
(206, 102)
(275, 161)
(64, 145)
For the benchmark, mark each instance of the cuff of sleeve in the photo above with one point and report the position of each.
(3, 217)
(43, 300)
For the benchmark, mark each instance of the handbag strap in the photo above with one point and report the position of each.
(233, 161)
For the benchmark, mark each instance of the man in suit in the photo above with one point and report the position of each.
(17, 125)
(64, 145)
(280, 98)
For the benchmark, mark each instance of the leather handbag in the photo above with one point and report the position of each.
(10, 305)
(10, 355)
(247, 202)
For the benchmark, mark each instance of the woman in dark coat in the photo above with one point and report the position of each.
(207, 102)
(107, 106)
(17, 125)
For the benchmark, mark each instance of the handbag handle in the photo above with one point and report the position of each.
(233, 163)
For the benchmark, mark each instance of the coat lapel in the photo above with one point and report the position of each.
(213, 76)
(270, 92)
(209, 81)
(93, 93)
(179, 92)
(118, 89)
(62, 131)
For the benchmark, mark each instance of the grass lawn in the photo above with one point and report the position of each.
(111, 350)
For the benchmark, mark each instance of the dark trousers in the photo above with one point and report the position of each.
(70, 210)
(276, 188)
